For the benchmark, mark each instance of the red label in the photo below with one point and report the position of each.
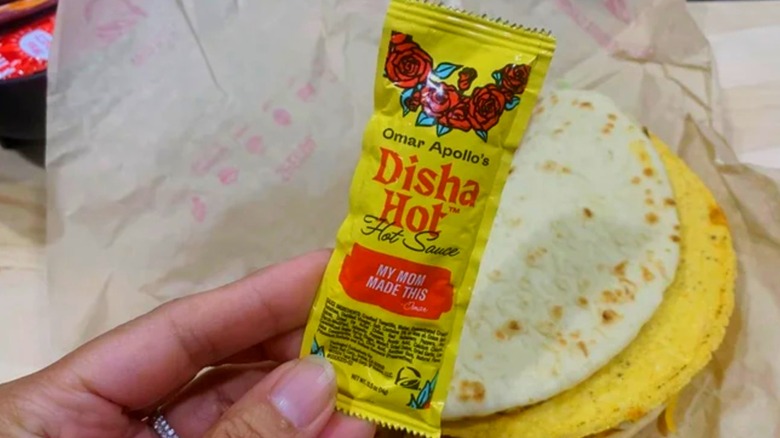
(25, 51)
(397, 285)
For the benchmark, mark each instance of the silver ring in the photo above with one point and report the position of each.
(161, 426)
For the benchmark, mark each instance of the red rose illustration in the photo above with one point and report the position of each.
(398, 38)
(458, 116)
(514, 78)
(407, 64)
(438, 98)
(486, 106)
(413, 102)
(465, 78)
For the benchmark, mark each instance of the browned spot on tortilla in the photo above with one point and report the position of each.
(566, 123)
(717, 217)
(565, 170)
(510, 329)
(575, 334)
(649, 201)
(620, 269)
(511, 170)
(669, 202)
(612, 117)
(550, 166)
(532, 259)
(617, 296)
(677, 227)
(471, 391)
(515, 222)
(558, 131)
(587, 212)
(554, 99)
(646, 132)
(608, 316)
(609, 297)
(575, 102)
(635, 414)
(562, 342)
(582, 301)
(556, 312)
(478, 356)
(636, 180)
(494, 275)
(651, 218)
(586, 105)
(584, 348)
(539, 109)
(648, 171)
(675, 238)
(647, 275)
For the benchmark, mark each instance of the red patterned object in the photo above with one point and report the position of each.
(25, 51)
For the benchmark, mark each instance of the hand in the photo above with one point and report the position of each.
(243, 330)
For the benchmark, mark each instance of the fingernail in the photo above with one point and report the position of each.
(305, 390)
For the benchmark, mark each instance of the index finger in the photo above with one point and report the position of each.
(141, 362)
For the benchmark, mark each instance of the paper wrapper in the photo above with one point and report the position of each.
(194, 141)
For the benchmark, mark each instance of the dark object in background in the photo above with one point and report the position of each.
(14, 10)
(26, 32)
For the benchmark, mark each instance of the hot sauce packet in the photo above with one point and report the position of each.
(452, 98)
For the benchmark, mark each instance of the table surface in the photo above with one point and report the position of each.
(738, 32)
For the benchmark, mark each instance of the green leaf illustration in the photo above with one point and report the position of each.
(445, 70)
(442, 130)
(512, 104)
(425, 396)
(425, 120)
(317, 349)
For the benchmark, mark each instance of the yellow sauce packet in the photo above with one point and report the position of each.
(452, 98)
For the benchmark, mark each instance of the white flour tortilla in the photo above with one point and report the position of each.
(578, 260)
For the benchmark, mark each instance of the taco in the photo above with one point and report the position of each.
(607, 283)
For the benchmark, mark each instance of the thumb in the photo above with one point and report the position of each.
(296, 400)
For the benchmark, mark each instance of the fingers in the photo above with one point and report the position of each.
(295, 401)
(141, 362)
(282, 348)
(341, 425)
(199, 406)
